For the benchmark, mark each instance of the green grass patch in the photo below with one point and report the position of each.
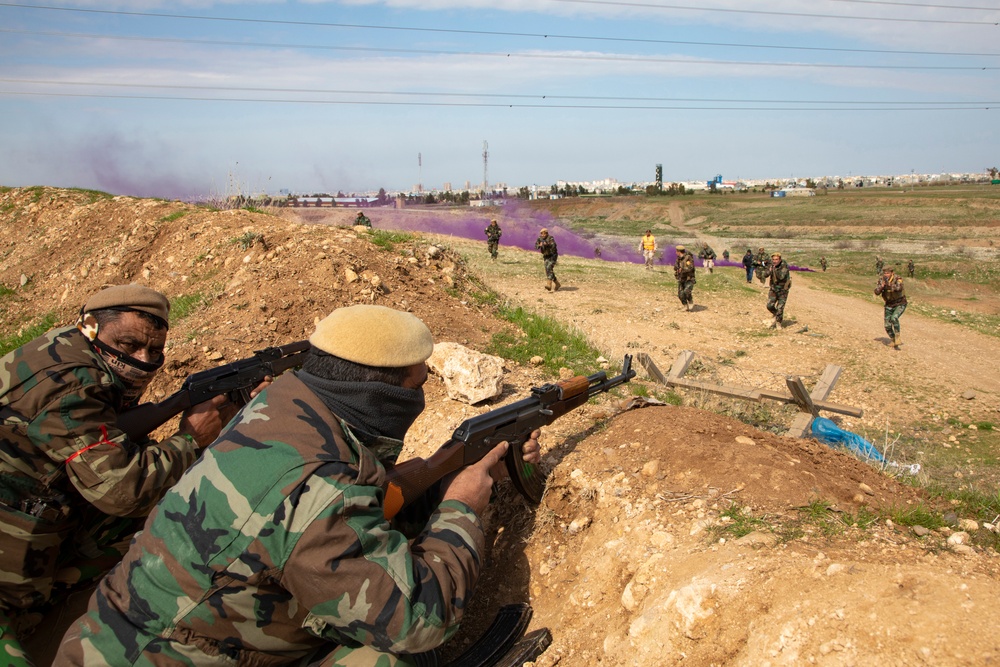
(388, 240)
(14, 341)
(545, 337)
(176, 215)
(738, 520)
(6, 291)
(92, 195)
(246, 241)
(183, 306)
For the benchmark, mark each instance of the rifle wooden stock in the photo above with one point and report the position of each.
(513, 423)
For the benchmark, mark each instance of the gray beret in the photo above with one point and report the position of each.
(374, 336)
(131, 297)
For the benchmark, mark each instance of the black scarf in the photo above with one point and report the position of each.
(376, 409)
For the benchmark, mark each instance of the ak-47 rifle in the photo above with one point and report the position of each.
(235, 380)
(475, 437)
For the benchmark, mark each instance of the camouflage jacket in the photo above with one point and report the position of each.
(762, 259)
(684, 267)
(891, 291)
(64, 464)
(707, 253)
(547, 247)
(779, 277)
(274, 544)
(493, 233)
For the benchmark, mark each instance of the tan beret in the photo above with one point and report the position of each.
(776, 254)
(544, 231)
(374, 336)
(131, 297)
(680, 247)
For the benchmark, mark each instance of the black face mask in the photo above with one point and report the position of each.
(375, 408)
(134, 374)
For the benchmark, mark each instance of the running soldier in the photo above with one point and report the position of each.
(763, 265)
(684, 273)
(647, 246)
(822, 263)
(546, 245)
(890, 288)
(781, 281)
(493, 234)
(708, 256)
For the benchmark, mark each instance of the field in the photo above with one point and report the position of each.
(691, 532)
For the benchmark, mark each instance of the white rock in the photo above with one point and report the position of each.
(469, 376)
(961, 537)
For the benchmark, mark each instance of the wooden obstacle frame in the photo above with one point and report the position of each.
(810, 403)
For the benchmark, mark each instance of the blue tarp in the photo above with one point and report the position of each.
(829, 433)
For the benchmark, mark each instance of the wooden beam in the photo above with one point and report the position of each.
(824, 406)
(800, 394)
(725, 390)
(646, 362)
(681, 364)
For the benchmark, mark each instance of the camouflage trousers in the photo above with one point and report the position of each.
(776, 299)
(685, 291)
(492, 247)
(550, 269)
(760, 274)
(892, 315)
(364, 656)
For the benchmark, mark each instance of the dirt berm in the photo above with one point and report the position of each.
(626, 560)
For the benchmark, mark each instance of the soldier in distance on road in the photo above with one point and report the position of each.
(493, 234)
(822, 263)
(685, 274)
(546, 244)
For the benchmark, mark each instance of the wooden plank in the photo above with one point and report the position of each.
(825, 384)
(801, 425)
(800, 394)
(725, 390)
(654, 372)
(681, 364)
(823, 406)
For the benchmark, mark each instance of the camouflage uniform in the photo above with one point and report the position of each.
(822, 263)
(708, 255)
(762, 261)
(879, 263)
(550, 253)
(684, 273)
(909, 267)
(780, 281)
(273, 547)
(892, 293)
(362, 220)
(67, 473)
(493, 233)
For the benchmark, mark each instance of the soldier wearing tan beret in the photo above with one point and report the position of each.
(286, 507)
(71, 482)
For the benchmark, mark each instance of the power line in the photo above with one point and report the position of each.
(557, 56)
(52, 33)
(536, 96)
(585, 2)
(969, 107)
(762, 12)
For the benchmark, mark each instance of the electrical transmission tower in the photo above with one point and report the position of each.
(486, 170)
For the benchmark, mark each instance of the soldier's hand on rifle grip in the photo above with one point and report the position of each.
(473, 484)
(204, 421)
(530, 452)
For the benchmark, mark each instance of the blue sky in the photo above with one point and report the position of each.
(180, 99)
